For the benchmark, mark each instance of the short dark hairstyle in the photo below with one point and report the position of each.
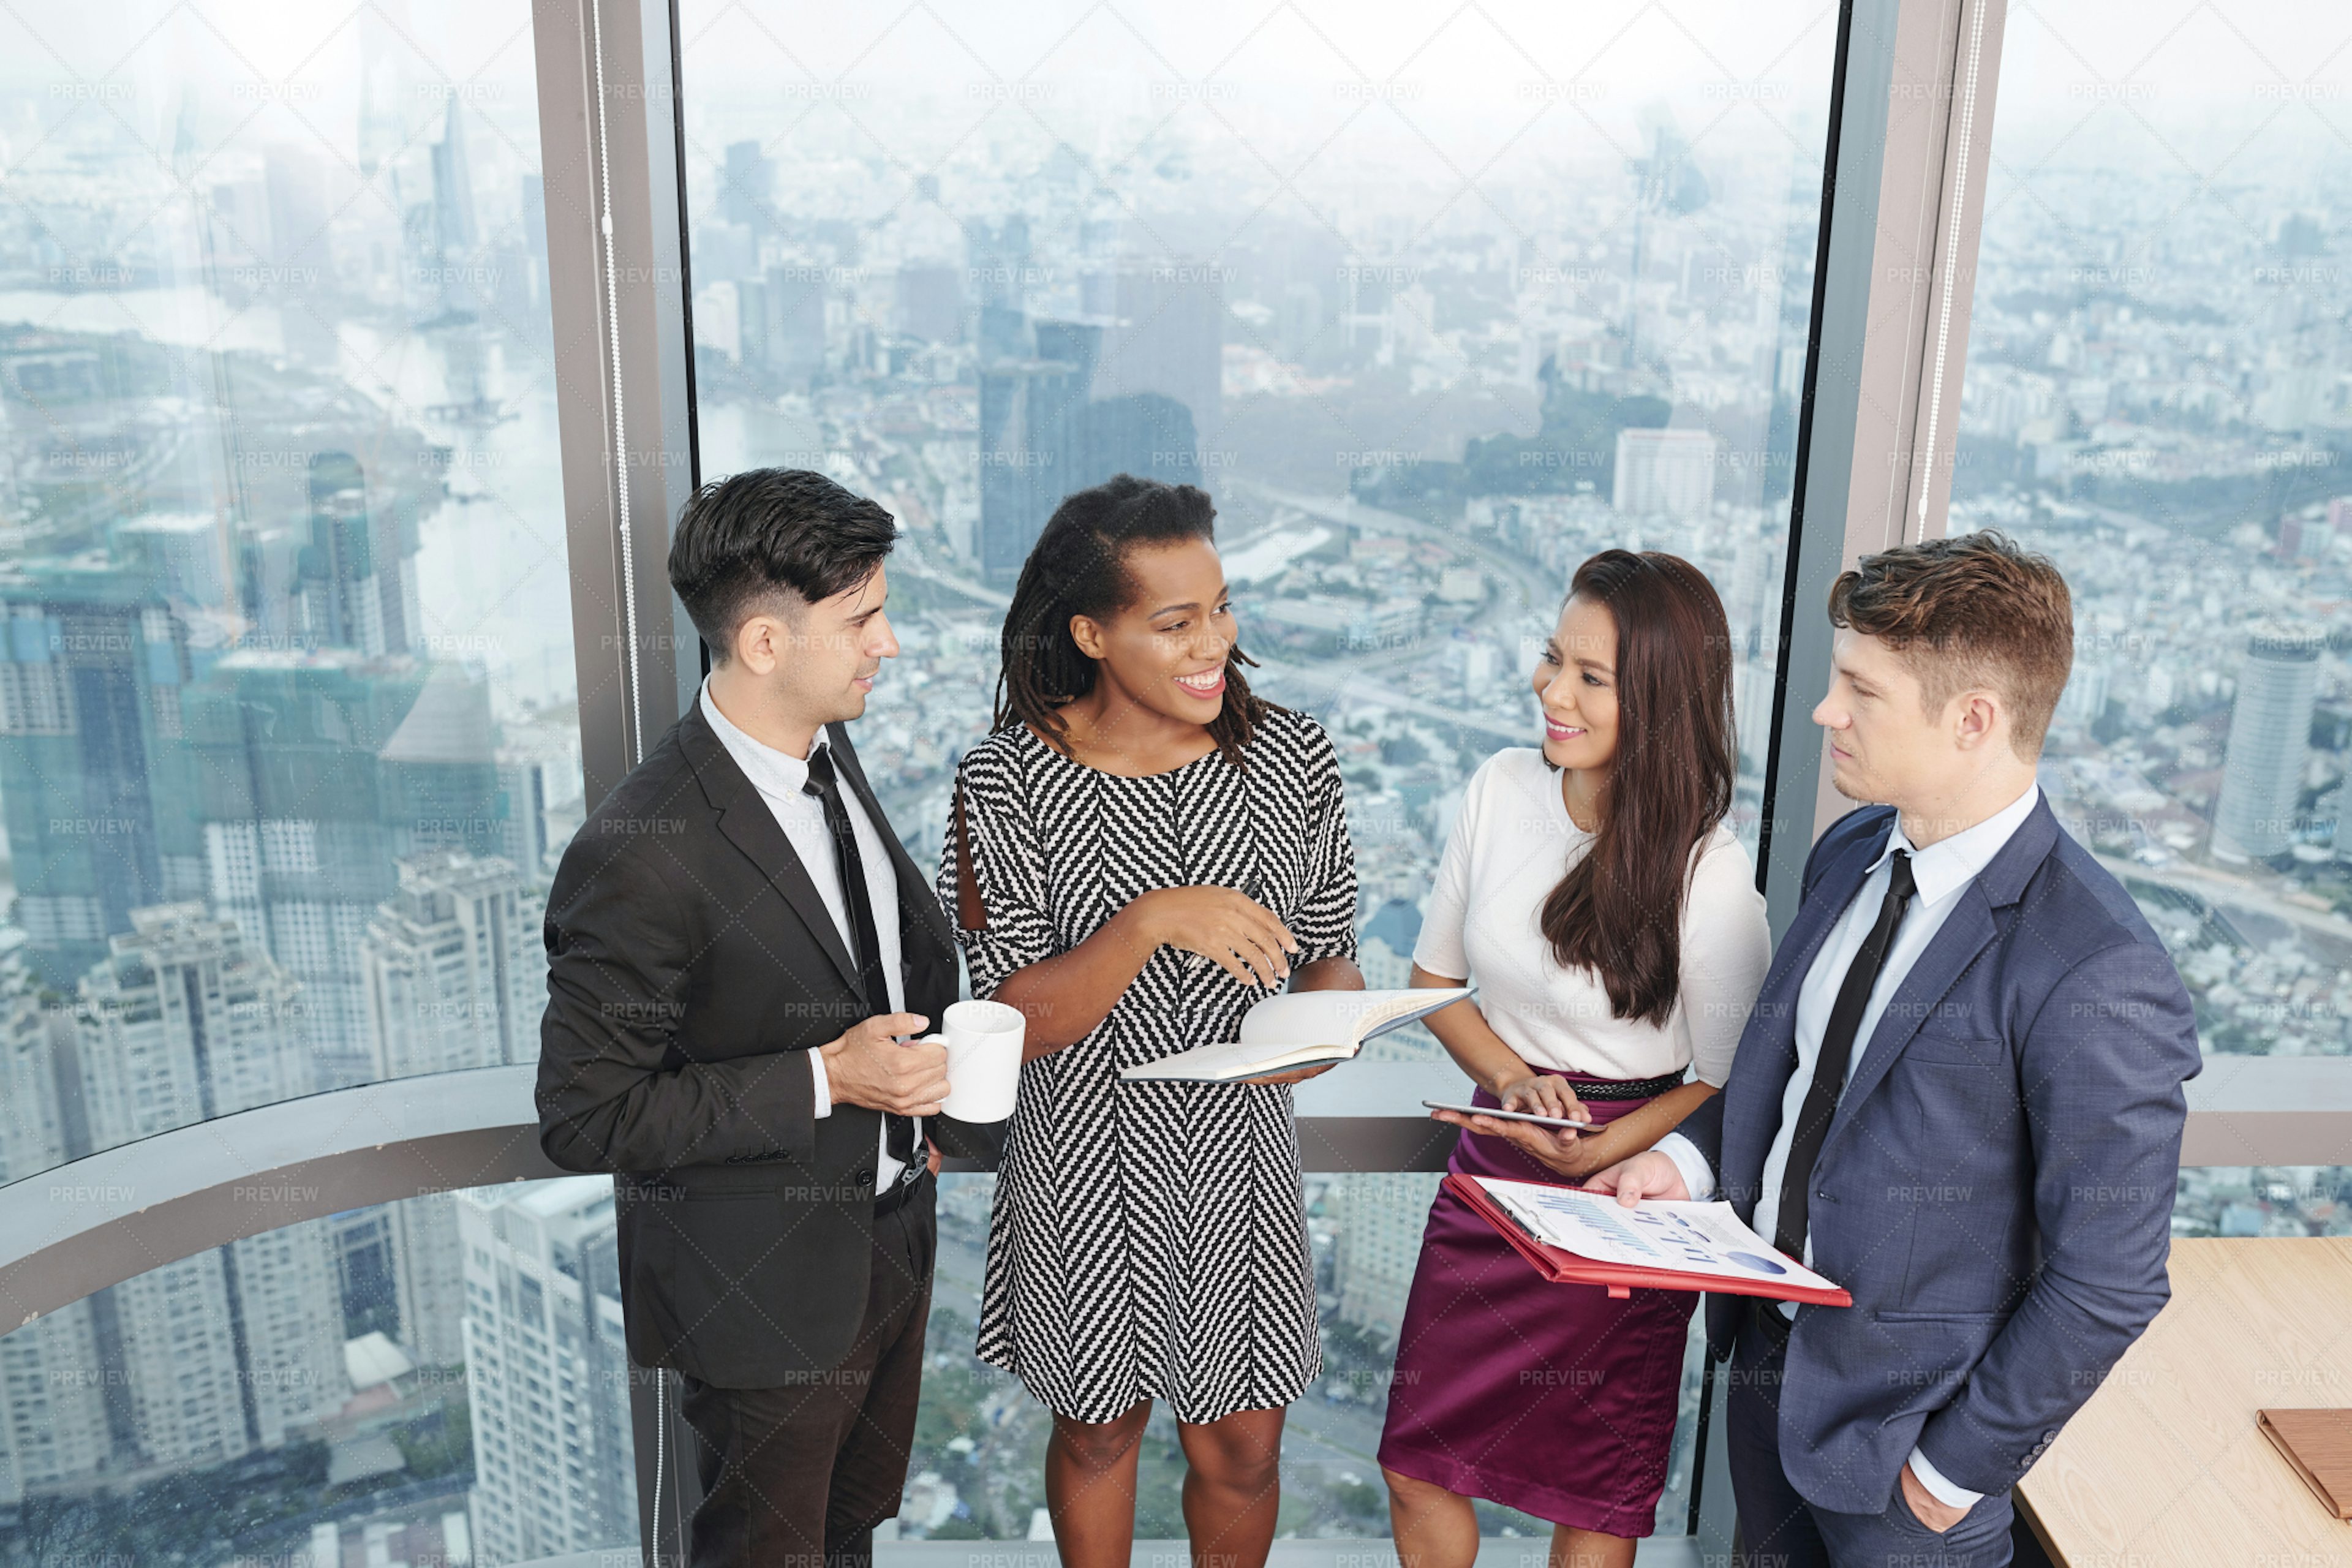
(751, 534)
(1078, 567)
(1970, 612)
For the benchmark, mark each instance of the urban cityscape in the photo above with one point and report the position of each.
(288, 735)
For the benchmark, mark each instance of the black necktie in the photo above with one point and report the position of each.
(1837, 1049)
(900, 1131)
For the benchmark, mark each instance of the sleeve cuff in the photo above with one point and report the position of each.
(818, 1082)
(1698, 1177)
(1942, 1490)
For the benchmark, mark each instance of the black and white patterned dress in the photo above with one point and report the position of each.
(1148, 1239)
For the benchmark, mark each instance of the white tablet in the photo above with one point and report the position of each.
(1563, 1123)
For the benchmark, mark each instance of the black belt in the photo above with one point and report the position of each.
(1625, 1088)
(906, 1187)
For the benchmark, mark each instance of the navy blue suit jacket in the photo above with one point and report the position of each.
(1996, 1188)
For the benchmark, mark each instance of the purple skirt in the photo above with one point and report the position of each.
(1550, 1399)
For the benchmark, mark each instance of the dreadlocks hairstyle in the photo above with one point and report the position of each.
(1618, 909)
(1079, 567)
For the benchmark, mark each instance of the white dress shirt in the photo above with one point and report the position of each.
(778, 776)
(1939, 871)
(1510, 842)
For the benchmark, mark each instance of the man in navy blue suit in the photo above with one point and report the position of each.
(1959, 1095)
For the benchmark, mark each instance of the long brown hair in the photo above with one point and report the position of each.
(1618, 909)
(1078, 567)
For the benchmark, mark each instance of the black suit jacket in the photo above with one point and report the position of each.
(691, 963)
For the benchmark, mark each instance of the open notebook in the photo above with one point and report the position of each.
(1300, 1029)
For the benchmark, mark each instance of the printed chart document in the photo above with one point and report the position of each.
(1574, 1236)
(1300, 1029)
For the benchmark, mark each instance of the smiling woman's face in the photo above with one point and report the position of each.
(1166, 649)
(1576, 681)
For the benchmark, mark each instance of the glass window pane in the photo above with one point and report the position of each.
(287, 725)
(438, 1380)
(2155, 398)
(1434, 307)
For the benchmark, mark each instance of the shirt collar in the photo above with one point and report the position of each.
(772, 772)
(1949, 864)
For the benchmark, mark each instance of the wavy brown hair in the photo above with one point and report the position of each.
(1618, 909)
(1078, 567)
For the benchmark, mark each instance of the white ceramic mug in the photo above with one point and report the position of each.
(984, 1041)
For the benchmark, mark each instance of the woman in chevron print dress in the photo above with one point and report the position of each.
(1139, 852)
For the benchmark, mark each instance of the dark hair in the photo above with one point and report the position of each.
(749, 534)
(1618, 909)
(1078, 567)
(1966, 613)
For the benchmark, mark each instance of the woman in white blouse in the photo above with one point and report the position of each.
(1611, 924)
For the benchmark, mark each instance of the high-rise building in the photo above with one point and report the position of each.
(93, 669)
(1664, 473)
(320, 771)
(783, 323)
(455, 968)
(183, 1021)
(2270, 741)
(746, 187)
(1167, 336)
(454, 233)
(547, 1369)
(358, 578)
(1023, 410)
(1381, 1216)
(1043, 433)
(53, 1422)
(429, 1276)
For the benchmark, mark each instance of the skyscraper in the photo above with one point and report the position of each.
(2270, 741)
(454, 234)
(93, 666)
(547, 1368)
(358, 577)
(185, 1020)
(53, 1423)
(1043, 433)
(746, 186)
(319, 771)
(454, 966)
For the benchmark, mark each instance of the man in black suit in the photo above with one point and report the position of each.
(737, 943)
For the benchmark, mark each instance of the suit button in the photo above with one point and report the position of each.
(863, 1177)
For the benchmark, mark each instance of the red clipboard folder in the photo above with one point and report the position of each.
(1562, 1267)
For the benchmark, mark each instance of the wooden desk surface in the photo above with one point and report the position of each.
(2164, 1465)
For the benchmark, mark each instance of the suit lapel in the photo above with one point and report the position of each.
(747, 823)
(1966, 932)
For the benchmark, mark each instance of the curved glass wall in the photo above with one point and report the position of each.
(288, 720)
(440, 1380)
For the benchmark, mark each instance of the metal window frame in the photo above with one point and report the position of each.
(613, 160)
(1911, 137)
